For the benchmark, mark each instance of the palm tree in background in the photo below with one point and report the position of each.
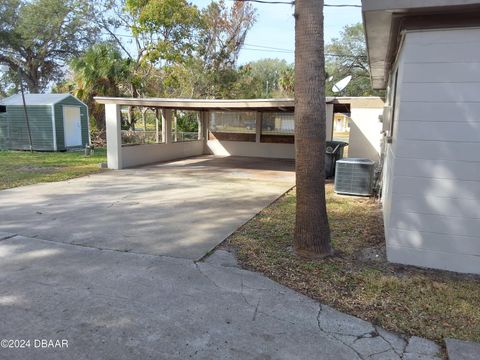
(312, 232)
(100, 71)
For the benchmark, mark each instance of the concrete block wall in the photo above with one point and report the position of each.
(137, 155)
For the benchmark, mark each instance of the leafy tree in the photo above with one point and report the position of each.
(112, 17)
(9, 84)
(350, 58)
(100, 71)
(38, 37)
(287, 81)
(170, 24)
(261, 79)
(179, 50)
(211, 71)
(223, 33)
(312, 232)
(346, 56)
(161, 31)
(187, 121)
(190, 80)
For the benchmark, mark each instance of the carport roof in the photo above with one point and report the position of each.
(221, 104)
(202, 104)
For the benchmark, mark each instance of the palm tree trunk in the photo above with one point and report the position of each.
(312, 232)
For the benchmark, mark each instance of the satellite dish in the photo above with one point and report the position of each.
(342, 84)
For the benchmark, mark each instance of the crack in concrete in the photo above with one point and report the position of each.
(125, 251)
(368, 335)
(242, 295)
(356, 336)
(405, 343)
(381, 352)
(330, 334)
(207, 277)
(256, 307)
(402, 356)
(256, 310)
(8, 237)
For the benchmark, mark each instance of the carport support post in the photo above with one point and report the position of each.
(157, 133)
(205, 116)
(114, 136)
(200, 126)
(258, 132)
(175, 133)
(167, 128)
(203, 130)
(330, 116)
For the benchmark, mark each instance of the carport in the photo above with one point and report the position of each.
(254, 128)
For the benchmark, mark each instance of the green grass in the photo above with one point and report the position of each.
(409, 300)
(18, 168)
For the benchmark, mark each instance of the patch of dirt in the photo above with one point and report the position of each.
(375, 253)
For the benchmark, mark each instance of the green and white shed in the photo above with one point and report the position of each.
(57, 122)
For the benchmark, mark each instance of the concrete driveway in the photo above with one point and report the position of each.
(91, 280)
(113, 305)
(180, 209)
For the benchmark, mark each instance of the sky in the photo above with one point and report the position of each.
(275, 28)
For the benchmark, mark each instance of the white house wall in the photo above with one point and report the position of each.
(432, 171)
(365, 133)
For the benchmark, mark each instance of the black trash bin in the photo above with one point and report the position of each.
(334, 151)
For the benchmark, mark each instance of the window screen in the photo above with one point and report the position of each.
(278, 124)
(233, 122)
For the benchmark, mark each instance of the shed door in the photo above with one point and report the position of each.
(72, 126)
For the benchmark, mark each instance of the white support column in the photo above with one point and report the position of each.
(203, 132)
(164, 125)
(200, 125)
(259, 127)
(114, 136)
(144, 119)
(329, 122)
(167, 129)
(157, 130)
(175, 133)
(206, 124)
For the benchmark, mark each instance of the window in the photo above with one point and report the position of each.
(233, 122)
(278, 123)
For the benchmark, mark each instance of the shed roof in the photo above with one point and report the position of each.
(34, 99)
